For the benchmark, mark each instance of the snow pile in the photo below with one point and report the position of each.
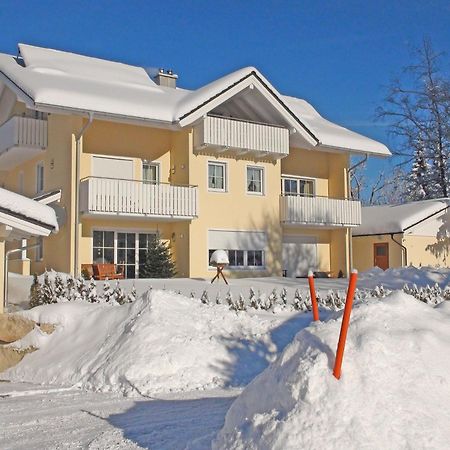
(162, 342)
(394, 391)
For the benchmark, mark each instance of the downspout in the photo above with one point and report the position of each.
(78, 137)
(349, 190)
(404, 250)
(5, 284)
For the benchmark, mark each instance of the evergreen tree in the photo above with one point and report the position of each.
(108, 293)
(36, 297)
(158, 262)
(60, 290)
(131, 297)
(48, 292)
(119, 294)
(92, 291)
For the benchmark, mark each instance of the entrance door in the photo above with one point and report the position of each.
(299, 255)
(381, 255)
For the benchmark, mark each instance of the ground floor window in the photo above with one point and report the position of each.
(243, 258)
(123, 248)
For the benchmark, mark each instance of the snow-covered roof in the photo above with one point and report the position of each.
(53, 80)
(26, 215)
(386, 219)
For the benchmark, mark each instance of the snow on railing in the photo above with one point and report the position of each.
(298, 209)
(132, 197)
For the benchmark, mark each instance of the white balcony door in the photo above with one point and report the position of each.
(107, 167)
(299, 255)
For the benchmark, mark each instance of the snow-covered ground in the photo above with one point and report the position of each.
(181, 363)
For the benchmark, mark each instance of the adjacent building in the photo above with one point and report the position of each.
(233, 165)
(414, 233)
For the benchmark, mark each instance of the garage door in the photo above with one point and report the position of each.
(112, 167)
(299, 255)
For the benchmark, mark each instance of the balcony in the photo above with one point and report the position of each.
(130, 198)
(21, 139)
(222, 134)
(319, 211)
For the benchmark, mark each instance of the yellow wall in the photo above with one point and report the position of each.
(419, 255)
(58, 162)
(363, 255)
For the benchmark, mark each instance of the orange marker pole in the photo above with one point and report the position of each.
(312, 291)
(345, 323)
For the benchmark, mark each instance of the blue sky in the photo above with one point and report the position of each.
(336, 54)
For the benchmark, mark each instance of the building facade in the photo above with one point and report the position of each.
(233, 165)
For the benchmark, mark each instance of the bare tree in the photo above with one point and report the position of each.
(418, 107)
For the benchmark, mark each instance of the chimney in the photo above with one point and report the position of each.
(166, 78)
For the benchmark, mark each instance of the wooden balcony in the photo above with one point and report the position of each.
(319, 211)
(131, 198)
(221, 134)
(21, 139)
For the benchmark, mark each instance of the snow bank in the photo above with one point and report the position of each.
(394, 391)
(162, 342)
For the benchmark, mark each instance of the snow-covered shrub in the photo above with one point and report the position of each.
(204, 298)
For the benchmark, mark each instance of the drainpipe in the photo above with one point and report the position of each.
(349, 191)
(6, 260)
(78, 137)
(404, 250)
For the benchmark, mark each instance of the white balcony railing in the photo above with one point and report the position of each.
(23, 132)
(110, 196)
(21, 139)
(322, 211)
(226, 134)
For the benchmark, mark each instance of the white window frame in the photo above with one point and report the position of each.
(298, 179)
(40, 177)
(116, 231)
(246, 266)
(158, 170)
(39, 250)
(224, 164)
(263, 178)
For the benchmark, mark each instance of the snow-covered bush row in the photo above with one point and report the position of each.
(54, 287)
(333, 300)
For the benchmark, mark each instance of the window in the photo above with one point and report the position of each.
(143, 243)
(39, 249)
(126, 249)
(216, 176)
(298, 186)
(20, 183)
(39, 178)
(150, 172)
(103, 247)
(255, 180)
(255, 258)
(243, 259)
(236, 258)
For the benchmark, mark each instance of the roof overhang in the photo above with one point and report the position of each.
(251, 80)
(20, 227)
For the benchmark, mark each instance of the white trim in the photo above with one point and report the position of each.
(24, 227)
(299, 178)
(225, 175)
(151, 163)
(263, 180)
(135, 231)
(40, 177)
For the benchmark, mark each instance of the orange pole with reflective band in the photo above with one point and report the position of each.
(345, 323)
(312, 291)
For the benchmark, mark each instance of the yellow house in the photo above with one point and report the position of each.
(233, 165)
(414, 233)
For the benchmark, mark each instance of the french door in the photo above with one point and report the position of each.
(123, 248)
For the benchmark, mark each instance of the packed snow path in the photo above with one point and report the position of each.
(36, 417)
